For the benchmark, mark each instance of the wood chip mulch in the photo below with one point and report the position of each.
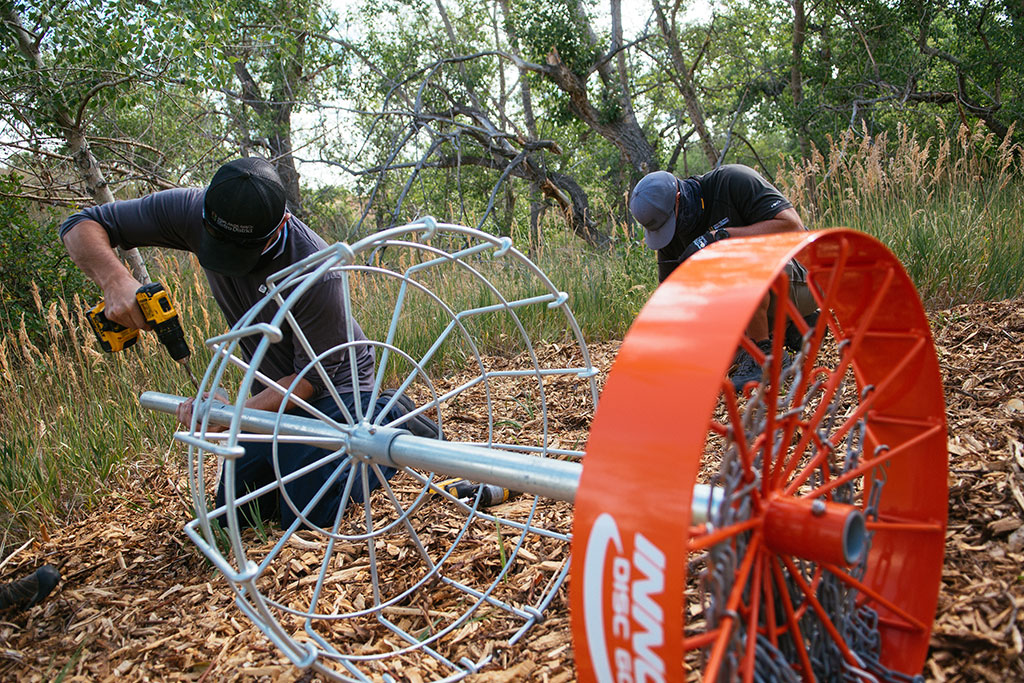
(980, 619)
(138, 602)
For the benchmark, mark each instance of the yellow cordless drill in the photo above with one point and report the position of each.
(159, 313)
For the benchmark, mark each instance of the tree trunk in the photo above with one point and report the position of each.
(536, 211)
(97, 186)
(563, 189)
(624, 132)
(77, 142)
(279, 139)
(573, 200)
(281, 151)
(683, 75)
(796, 85)
(620, 55)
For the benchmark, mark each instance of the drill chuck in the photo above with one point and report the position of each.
(173, 338)
(159, 312)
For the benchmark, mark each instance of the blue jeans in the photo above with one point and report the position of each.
(256, 469)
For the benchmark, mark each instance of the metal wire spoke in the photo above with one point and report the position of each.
(388, 345)
(831, 396)
(458, 318)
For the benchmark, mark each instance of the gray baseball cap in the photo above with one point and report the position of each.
(653, 204)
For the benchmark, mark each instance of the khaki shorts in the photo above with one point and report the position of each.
(799, 291)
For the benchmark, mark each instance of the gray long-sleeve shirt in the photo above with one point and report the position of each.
(174, 219)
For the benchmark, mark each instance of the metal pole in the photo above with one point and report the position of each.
(557, 479)
(539, 476)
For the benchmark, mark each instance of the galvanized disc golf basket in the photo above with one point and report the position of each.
(790, 531)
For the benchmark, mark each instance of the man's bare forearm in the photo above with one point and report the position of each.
(787, 220)
(89, 247)
(270, 398)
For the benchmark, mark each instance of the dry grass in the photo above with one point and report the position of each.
(950, 209)
(71, 415)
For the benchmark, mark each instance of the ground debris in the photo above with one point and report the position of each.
(977, 633)
(139, 603)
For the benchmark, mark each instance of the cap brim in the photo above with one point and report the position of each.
(226, 258)
(659, 238)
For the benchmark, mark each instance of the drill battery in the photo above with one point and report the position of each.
(112, 336)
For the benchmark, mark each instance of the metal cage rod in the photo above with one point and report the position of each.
(536, 475)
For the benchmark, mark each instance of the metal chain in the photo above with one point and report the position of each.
(857, 626)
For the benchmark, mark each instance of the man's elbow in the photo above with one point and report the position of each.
(301, 387)
(788, 220)
(65, 229)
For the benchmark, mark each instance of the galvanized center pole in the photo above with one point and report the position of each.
(536, 475)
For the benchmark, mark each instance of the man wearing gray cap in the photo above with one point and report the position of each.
(240, 230)
(682, 216)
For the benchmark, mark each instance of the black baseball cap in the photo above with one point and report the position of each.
(243, 206)
(653, 204)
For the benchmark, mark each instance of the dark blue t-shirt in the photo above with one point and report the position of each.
(174, 219)
(734, 196)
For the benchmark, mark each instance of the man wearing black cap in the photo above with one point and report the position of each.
(682, 216)
(240, 230)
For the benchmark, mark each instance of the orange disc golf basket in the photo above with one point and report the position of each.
(791, 530)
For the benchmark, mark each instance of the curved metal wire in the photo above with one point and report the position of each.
(294, 583)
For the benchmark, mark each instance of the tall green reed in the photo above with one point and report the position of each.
(950, 209)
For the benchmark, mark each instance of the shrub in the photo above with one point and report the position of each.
(33, 262)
